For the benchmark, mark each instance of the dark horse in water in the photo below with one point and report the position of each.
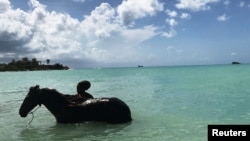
(110, 110)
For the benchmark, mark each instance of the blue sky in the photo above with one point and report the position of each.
(116, 33)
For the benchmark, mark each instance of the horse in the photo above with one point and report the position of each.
(106, 109)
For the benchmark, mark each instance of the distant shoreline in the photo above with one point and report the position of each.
(31, 65)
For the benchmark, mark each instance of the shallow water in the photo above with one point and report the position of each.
(167, 103)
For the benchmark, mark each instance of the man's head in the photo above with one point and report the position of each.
(83, 86)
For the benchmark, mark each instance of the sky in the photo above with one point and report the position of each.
(126, 33)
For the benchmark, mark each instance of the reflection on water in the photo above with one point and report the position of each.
(79, 131)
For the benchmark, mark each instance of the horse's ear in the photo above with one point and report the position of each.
(37, 87)
(34, 88)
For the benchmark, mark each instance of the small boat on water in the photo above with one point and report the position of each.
(233, 63)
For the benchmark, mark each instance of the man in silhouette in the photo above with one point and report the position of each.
(81, 88)
(81, 95)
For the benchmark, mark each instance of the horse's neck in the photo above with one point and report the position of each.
(53, 101)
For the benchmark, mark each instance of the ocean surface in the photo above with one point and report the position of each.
(167, 103)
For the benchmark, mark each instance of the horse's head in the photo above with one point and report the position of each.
(30, 101)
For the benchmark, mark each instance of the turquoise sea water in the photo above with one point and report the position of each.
(167, 103)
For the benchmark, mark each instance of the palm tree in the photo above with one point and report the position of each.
(48, 61)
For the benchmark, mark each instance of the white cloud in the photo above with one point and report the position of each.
(242, 4)
(35, 3)
(233, 54)
(171, 33)
(185, 16)
(195, 5)
(171, 14)
(81, 1)
(131, 10)
(171, 22)
(137, 36)
(4, 5)
(101, 22)
(223, 18)
(227, 2)
(99, 37)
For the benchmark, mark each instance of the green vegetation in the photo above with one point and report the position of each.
(30, 65)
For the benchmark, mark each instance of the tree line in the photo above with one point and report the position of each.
(25, 64)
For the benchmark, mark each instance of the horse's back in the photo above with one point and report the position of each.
(112, 109)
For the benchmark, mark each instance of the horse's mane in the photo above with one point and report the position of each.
(59, 97)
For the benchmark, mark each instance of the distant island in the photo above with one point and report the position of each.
(235, 63)
(30, 65)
